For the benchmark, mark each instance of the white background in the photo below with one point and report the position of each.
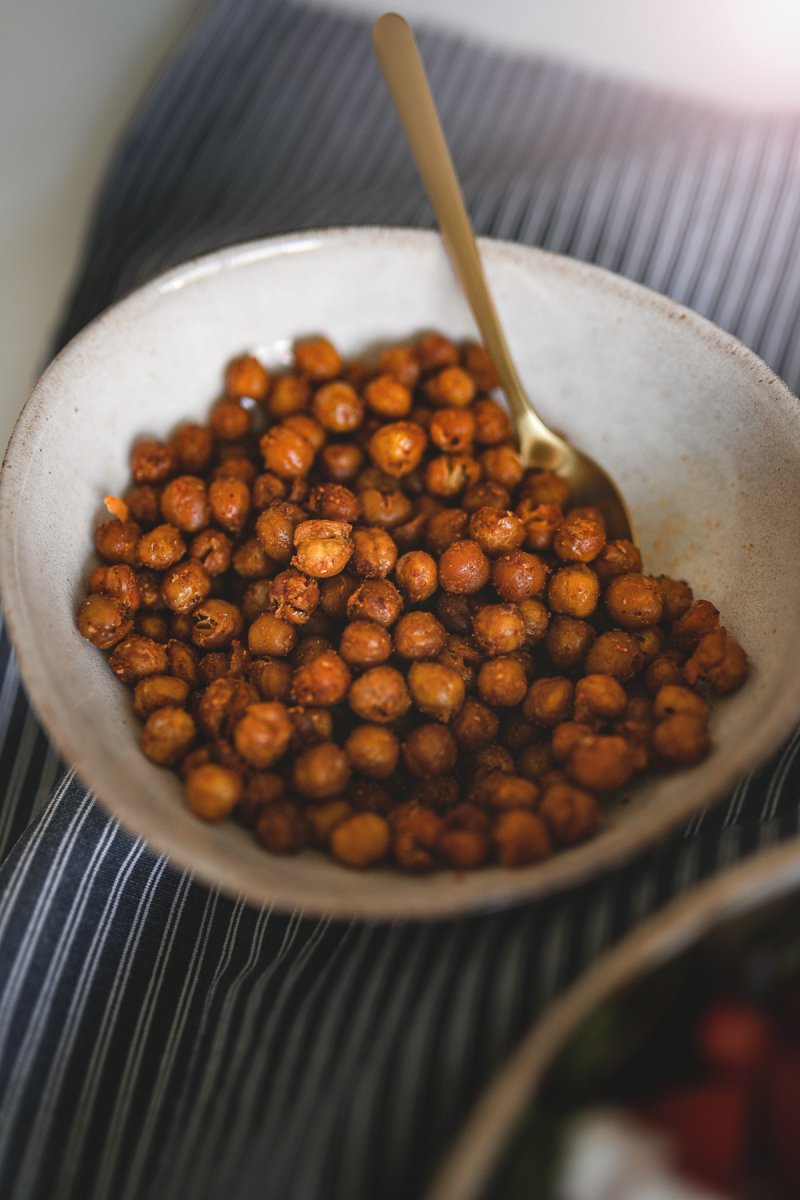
(71, 72)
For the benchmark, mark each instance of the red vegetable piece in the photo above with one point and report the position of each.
(734, 1038)
(707, 1124)
(782, 1098)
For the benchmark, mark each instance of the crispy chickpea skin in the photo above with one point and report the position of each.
(323, 548)
(374, 553)
(215, 623)
(168, 735)
(362, 840)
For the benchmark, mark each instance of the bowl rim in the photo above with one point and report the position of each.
(475, 1152)
(571, 866)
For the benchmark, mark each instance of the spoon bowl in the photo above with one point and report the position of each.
(404, 73)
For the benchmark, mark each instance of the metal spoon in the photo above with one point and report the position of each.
(405, 78)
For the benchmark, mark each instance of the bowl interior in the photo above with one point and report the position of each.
(703, 439)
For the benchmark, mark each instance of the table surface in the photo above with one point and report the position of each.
(94, 58)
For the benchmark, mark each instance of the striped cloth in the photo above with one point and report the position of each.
(158, 1039)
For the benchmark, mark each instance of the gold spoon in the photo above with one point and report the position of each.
(405, 78)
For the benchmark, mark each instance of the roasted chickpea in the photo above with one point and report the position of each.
(373, 750)
(275, 528)
(699, 619)
(185, 586)
(502, 464)
(573, 590)
(502, 682)
(535, 761)
(365, 644)
(401, 363)
(444, 528)
(549, 700)
(362, 840)
(283, 829)
(321, 772)
(273, 678)
(571, 813)
(212, 792)
(261, 735)
(334, 594)
(136, 657)
(120, 581)
(193, 446)
(435, 351)
(681, 739)
(517, 575)
(416, 576)
(666, 668)
(419, 635)
(492, 423)
(310, 726)
(294, 597)
(229, 499)
(568, 640)
(215, 624)
(182, 662)
(229, 421)
(289, 394)
(485, 493)
(430, 750)
(521, 838)
(545, 487)
(144, 504)
(500, 790)
(324, 548)
(213, 550)
(375, 600)
(338, 407)
(184, 504)
(677, 595)
(619, 557)
(580, 537)
(117, 542)
(600, 763)
(235, 464)
(334, 502)
(614, 653)
(599, 698)
(449, 474)
(324, 680)
(286, 453)
(475, 725)
(452, 430)
(387, 510)
(152, 625)
(634, 600)
(499, 628)
(437, 691)
(317, 358)
(497, 531)
(246, 376)
(397, 448)
(104, 620)
(167, 736)
(159, 691)
(451, 387)
(374, 553)
(541, 524)
(152, 461)
(270, 634)
(388, 397)
(415, 834)
(341, 461)
(536, 619)
(463, 568)
(380, 695)
(325, 816)
(455, 612)
(719, 660)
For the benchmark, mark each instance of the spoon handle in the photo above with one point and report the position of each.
(404, 73)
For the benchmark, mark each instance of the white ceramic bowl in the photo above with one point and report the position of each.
(760, 883)
(703, 438)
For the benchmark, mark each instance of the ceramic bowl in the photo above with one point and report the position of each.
(703, 438)
(748, 896)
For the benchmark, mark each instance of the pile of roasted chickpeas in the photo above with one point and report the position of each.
(354, 621)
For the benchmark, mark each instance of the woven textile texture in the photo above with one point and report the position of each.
(156, 1038)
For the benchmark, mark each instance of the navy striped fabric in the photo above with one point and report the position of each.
(156, 1038)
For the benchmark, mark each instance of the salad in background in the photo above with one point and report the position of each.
(686, 1084)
